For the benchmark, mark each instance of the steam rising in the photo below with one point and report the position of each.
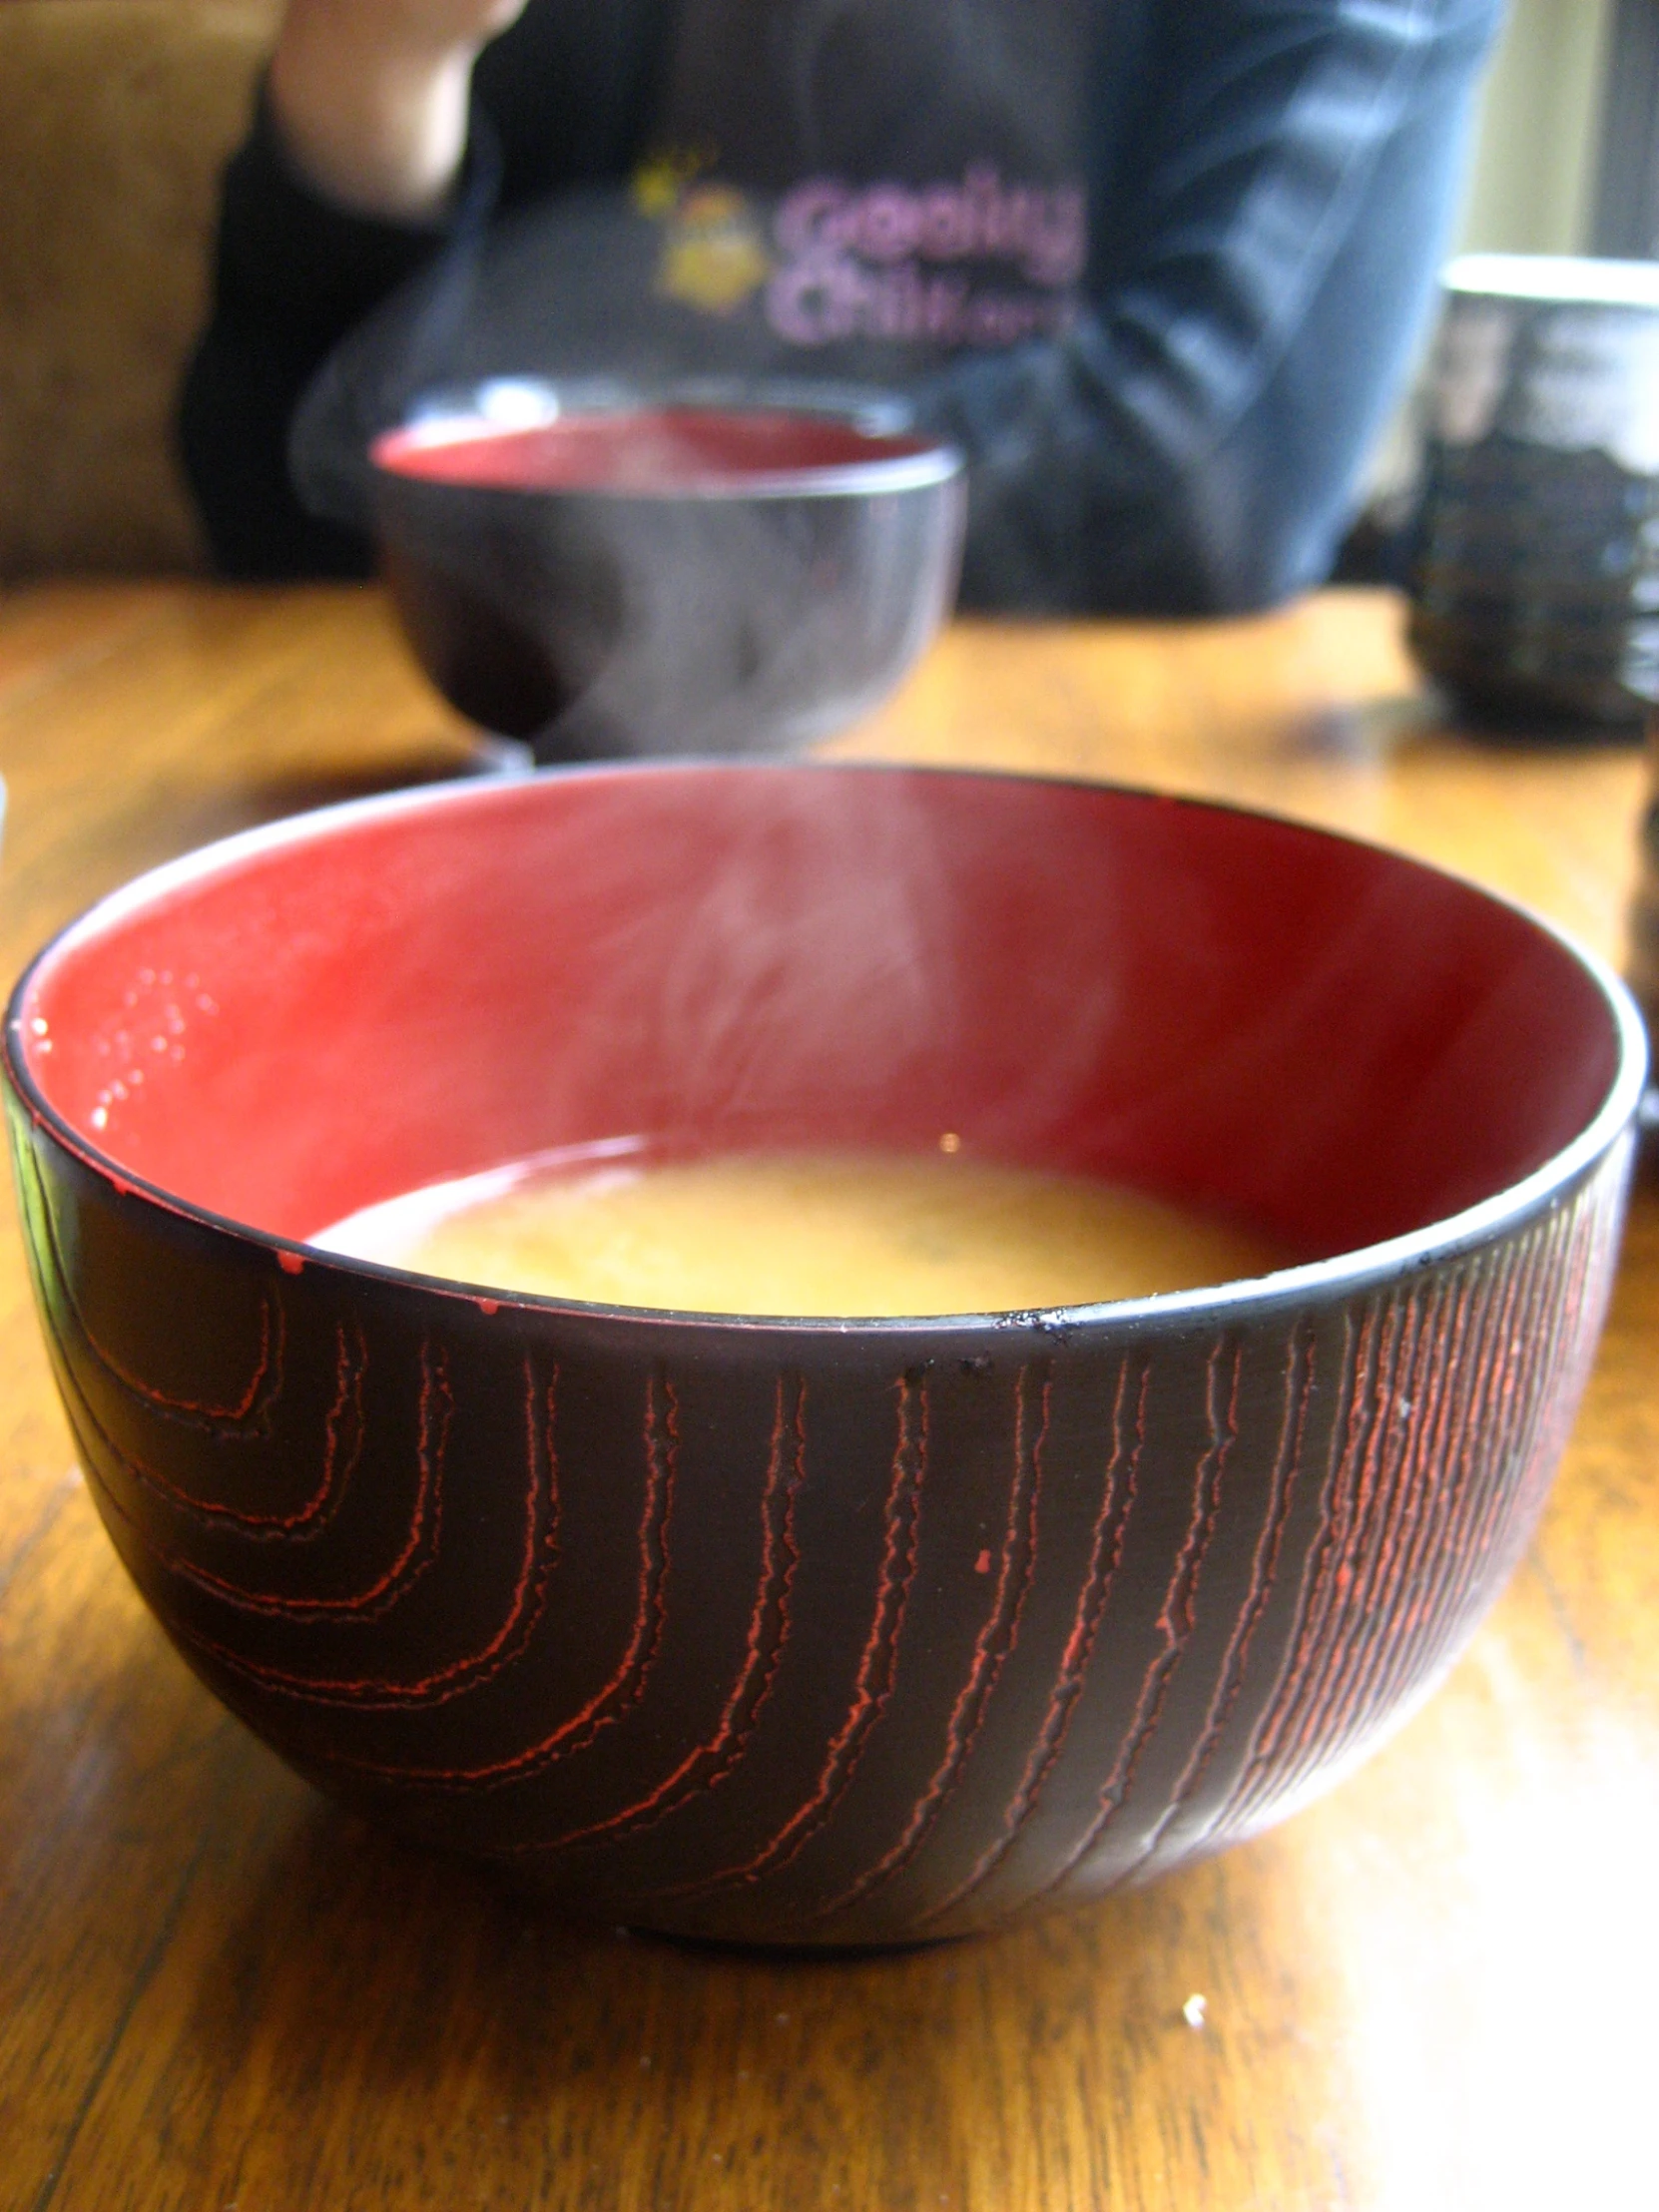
(848, 193)
(855, 202)
(807, 971)
(864, 307)
(830, 908)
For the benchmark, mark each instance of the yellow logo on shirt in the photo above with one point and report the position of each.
(714, 254)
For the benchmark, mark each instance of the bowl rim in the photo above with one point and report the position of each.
(926, 461)
(1554, 281)
(1343, 1274)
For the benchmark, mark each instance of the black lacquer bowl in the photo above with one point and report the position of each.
(665, 573)
(819, 1632)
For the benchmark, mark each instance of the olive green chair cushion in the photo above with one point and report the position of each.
(116, 117)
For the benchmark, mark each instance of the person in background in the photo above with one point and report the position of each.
(1161, 264)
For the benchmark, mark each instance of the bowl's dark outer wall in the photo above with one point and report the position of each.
(813, 1633)
(595, 622)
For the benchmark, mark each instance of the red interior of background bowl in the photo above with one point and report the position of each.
(644, 449)
(1323, 1038)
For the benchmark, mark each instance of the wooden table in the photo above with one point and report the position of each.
(1440, 1987)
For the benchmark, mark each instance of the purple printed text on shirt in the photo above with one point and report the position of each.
(852, 261)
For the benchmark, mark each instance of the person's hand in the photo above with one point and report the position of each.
(370, 96)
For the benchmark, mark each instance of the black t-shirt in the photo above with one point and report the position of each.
(923, 174)
(1156, 264)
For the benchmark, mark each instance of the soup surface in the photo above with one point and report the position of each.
(850, 1234)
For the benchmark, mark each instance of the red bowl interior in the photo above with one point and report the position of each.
(1324, 1039)
(640, 450)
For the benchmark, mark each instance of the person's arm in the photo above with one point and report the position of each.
(294, 271)
(369, 98)
(1274, 233)
(351, 180)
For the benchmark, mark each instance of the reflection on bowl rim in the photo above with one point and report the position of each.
(922, 463)
(1355, 1270)
(1554, 281)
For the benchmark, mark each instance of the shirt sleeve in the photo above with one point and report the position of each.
(293, 273)
(1266, 252)
(556, 100)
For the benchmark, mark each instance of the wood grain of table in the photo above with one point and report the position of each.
(1437, 1986)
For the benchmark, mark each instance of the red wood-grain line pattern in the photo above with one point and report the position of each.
(711, 1761)
(1413, 1614)
(1324, 1554)
(1560, 1341)
(1463, 1500)
(1365, 1517)
(1177, 1616)
(1273, 1747)
(1468, 1481)
(248, 1412)
(997, 1637)
(339, 1464)
(1418, 1548)
(1589, 1229)
(1117, 1500)
(625, 1685)
(1263, 1575)
(877, 1660)
(1470, 1428)
(1409, 1529)
(306, 1521)
(526, 1601)
(418, 1552)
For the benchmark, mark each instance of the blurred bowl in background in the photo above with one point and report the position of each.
(600, 571)
(1536, 577)
(819, 1631)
